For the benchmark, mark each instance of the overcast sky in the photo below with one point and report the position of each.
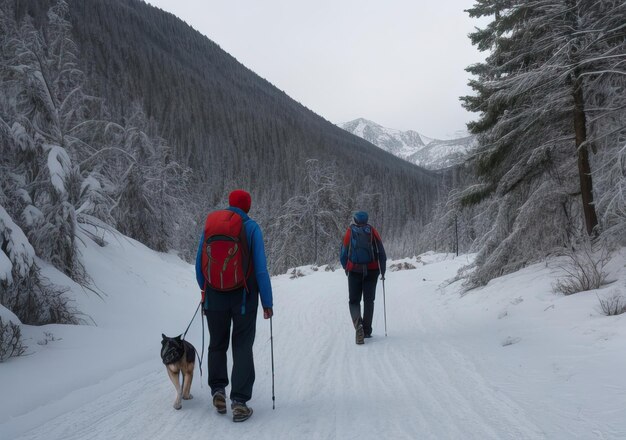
(399, 63)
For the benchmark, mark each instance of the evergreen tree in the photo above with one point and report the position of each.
(547, 63)
(150, 198)
(60, 167)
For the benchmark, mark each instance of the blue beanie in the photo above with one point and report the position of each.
(360, 217)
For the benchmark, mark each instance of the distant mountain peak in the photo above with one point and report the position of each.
(412, 146)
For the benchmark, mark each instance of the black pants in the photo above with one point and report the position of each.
(222, 309)
(360, 286)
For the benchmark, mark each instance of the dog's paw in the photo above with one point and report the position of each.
(178, 405)
(189, 397)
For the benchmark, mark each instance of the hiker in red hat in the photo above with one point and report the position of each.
(231, 270)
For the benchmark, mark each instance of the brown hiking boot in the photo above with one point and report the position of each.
(219, 401)
(360, 333)
(241, 411)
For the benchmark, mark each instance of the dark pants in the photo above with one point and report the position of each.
(221, 310)
(360, 286)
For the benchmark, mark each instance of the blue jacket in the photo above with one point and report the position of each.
(257, 251)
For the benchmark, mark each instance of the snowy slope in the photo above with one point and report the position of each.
(508, 361)
(412, 146)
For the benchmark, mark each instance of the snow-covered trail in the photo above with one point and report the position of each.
(419, 382)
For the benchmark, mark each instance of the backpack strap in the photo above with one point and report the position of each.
(248, 265)
(350, 243)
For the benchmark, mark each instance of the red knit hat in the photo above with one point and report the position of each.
(240, 199)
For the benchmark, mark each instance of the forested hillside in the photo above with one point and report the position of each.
(234, 129)
(116, 114)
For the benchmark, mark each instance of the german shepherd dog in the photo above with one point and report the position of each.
(179, 357)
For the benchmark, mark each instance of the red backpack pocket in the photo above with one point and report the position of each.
(225, 256)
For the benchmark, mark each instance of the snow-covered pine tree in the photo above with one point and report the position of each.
(532, 92)
(605, 75)
(48, 105)
(31, 172)
(611, 182)
(151, 192)
(61, 162)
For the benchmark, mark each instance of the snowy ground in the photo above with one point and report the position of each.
(509, 361)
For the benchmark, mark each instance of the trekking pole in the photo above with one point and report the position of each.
(384, 306)
(202, 355)
(383, 279)
(272, 351)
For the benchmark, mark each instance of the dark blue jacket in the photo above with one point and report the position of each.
(257, 252)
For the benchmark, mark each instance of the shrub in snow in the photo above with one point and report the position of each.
(584, 268)
(22, 288)
(296, 273)
(36, 301)
(614, 304)
(401, 266)
(11, 344)
(47, 337)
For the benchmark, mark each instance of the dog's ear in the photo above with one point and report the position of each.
(163, 336)
(178, 337)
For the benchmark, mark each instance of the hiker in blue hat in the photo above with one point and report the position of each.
(363, 258)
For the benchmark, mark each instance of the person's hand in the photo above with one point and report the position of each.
(202, 292)
(267, 312)
(382, 277)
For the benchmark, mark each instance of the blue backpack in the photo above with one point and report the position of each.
(361, 244)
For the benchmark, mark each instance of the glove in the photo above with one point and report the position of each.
(267, 312)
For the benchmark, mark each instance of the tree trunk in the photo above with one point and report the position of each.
(584, 169)
(315, 237)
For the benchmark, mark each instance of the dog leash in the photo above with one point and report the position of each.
(194, 317)
(185, 334)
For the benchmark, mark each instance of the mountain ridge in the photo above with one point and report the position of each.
(412, 146)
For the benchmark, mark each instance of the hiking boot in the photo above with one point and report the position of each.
(360, 334)
(367, 331)
(241, 411)
(219, 401)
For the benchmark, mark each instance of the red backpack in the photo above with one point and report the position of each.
(225, 253)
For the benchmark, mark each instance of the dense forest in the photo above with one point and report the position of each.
(118, 115)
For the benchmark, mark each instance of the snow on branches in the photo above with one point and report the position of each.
(17, 254)
(551, 96)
